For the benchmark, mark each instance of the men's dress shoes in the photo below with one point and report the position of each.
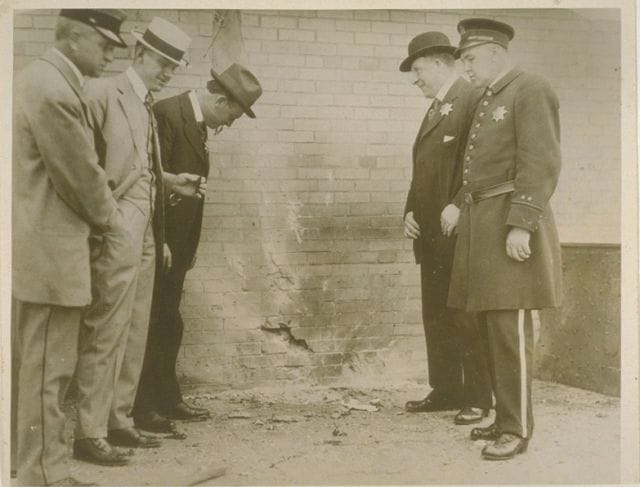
(183, 410)
(429, 404)
(488, 433)
(98, 451)
(154, 422)
(72, 481)
(505, 447)
(470, 415)
(132, 438)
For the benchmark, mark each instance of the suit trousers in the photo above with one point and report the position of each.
(510, 339)
(456, 350)
(114, 328)
(159, 389)
(45, 341)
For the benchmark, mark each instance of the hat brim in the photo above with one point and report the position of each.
(405, 66)
(234, 95)
(138, 36)
(110, 35)
(458, 51)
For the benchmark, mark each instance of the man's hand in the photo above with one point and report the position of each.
(518, 244)
(186, 184)
(166, 258)
(411, 227)
(449, 219)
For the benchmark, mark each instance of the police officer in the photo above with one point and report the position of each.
(507, 258)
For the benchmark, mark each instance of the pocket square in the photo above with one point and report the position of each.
(447, 138)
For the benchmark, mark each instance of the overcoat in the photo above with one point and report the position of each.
(59, 189)
(118, 115)
(437, 169)
(514, 136)
(183, 150)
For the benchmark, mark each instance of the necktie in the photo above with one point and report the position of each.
(202, 127)
(435, 108)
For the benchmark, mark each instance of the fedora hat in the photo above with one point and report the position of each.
(166, 39)
(106, 21)
(241, 85)
(424, 44)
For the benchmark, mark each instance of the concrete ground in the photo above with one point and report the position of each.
(307, 436)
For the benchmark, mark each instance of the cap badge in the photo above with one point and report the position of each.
(499, 113)
(446, 109)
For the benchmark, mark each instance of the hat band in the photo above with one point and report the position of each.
(162, 46)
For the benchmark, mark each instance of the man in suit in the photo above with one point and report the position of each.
(507, 260)
(60, 192)
(182, 127)
(453, 341)
(114, 327)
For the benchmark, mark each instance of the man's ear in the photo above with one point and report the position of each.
(222, 100)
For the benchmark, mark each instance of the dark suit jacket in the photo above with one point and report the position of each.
(437, 169)
(182, 150)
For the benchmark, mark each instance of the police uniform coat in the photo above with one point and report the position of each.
(59, 189)
(515, 135)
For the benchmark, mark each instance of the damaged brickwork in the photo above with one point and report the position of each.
(302, 272)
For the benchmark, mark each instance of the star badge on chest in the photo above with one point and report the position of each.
(445, 109)
(499, 113)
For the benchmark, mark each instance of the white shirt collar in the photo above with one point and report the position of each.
(501, 75)
(444, 89)
(197, 111)
(73, 67)
(138, 86)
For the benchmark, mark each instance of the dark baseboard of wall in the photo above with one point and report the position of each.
(579, 343)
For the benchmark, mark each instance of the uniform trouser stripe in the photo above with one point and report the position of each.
(523, 371)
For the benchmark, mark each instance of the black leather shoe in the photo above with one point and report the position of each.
(132, 438)
(184, 411)
(152, 421)
(469, 415)
(505, 447)
(98, 451)
(430, 404)
(488, 433)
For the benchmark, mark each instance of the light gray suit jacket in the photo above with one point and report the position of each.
(59, 189)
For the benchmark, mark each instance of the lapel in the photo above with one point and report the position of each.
(135, 114)
(71, 78)
(450, 97)
(190, 127)
(506, 79)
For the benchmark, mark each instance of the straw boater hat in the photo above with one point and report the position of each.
(106, 21)
(241, 85)
(165, 39)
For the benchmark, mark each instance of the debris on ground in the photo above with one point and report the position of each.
(285, 419)
(239, 415)
(337, 432)
(356, 405)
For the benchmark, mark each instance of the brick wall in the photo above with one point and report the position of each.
(302, 272)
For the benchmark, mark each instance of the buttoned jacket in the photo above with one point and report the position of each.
(60, 191)
(437, 168)
(183, 150)
(514, 136)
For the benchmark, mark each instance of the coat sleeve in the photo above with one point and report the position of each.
(166, 137)
(70, 160)
(537, 164)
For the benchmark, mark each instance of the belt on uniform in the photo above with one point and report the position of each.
(489, 192)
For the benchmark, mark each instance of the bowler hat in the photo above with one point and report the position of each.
(241, 85)
(166, 39)
(474, 32)
(106, 21)
(424, 44)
